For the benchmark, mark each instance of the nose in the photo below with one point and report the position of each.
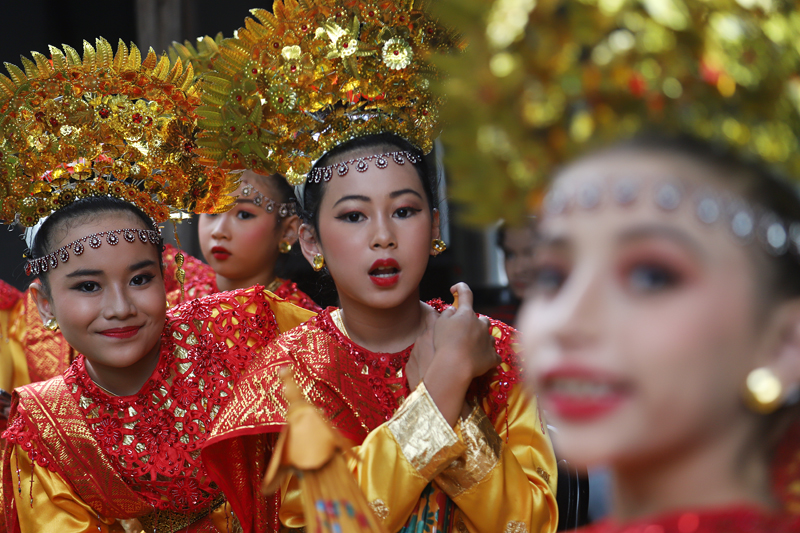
(219, 227)
(577, 312)
(117, 304)
(384, 235)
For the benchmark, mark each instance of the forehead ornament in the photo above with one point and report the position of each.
(746, 222)
(268, 204)
(361, 164)
(41, 265)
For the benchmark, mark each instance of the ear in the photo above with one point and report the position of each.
(309, 243)
(43, 303)
(435, 231)
(784, 359)
(290, 230)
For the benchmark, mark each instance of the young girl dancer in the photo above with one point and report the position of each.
(441, 434)
(661, 332)
(117, 437)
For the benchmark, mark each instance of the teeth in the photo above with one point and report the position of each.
(580, 388)
(384, 272)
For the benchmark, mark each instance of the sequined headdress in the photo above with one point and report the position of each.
(544, 81)
(295, 84)
(105, 124)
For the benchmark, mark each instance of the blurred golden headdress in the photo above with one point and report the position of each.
(294, 84)
(546, 80)
(105, 124)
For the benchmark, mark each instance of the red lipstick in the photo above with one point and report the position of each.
(581, 394)
(121, 333)
(385, 272)
(220, 253)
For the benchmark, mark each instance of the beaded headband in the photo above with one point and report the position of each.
(745, 221)
(268, 204)
(299, 81)
(50, 261)
(546, 81)
(320, 174)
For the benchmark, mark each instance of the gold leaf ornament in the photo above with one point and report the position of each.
(100, 133)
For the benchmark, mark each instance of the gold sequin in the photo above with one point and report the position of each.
(380, 509)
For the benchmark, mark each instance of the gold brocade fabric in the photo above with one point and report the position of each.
(359, 392)
(125, 456)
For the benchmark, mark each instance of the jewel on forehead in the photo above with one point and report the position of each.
(320, 174)
(268, 204)
(50, 261)
(746, 222)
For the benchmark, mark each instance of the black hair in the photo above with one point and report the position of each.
(368, 145)
(76, 212)
(757, 184)
(285, 191)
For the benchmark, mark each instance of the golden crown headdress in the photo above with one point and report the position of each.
(201, 54)
(104, 124)
(545, 80)
(294, 84)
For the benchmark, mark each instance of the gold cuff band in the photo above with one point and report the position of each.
(427, 441)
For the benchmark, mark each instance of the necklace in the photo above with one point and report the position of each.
(96, 384)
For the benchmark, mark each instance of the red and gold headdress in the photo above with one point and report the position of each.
(544, 81)
(294, 84)
(104, 124)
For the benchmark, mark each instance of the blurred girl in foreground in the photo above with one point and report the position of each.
(662, 332)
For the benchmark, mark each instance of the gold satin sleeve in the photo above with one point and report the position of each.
(506, 479)
(55, 506)
(395, 462)
(13, 366)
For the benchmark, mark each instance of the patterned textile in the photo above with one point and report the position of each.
(128, 455)
(9, 295)
(356, 389)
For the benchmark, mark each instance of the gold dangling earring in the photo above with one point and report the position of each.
(51, 325)
(438, 246)
(763, 391)
(285, 247)
(318, 262)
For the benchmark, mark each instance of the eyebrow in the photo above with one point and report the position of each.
(352, 197)
(657, 230)
(401, 192)
(142, 264)
(94, 272)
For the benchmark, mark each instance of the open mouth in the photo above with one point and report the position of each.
(583, 396)
(384, 272)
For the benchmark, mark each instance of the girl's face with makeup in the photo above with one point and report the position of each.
(239, 244)
(110, 301)
(375, 233)
(641, 325)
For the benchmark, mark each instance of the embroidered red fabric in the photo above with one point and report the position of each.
(153, 438)
(9, 296)
(390, 386)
